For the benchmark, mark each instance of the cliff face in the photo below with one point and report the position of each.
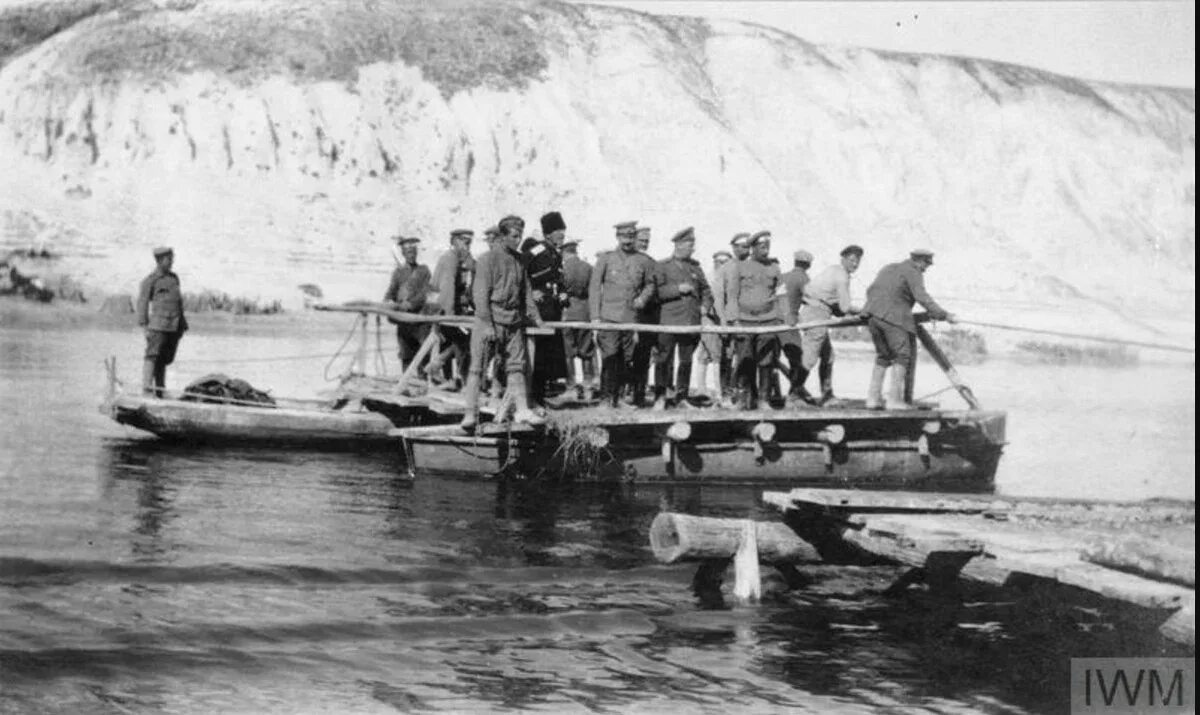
(282, 143)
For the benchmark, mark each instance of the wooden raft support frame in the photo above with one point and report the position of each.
(1006, 542)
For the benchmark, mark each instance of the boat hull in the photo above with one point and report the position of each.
(924, 450)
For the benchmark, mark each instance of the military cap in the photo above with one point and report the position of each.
(643, 231)
(163, 251)
(922, 253)
(803, 257)
(403, 240)
(760, 236)
(740, 239)
(725, 254)
(626, 228)
(687, 234)
(491, 232)
(570, 243)
(462, 233)
(852, 249)
(552, 222)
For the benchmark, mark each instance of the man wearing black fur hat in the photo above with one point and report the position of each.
(544, 264)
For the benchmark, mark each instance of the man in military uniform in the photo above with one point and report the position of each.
(890, 299)
(646, 343)
(160, 312)
(683, 296)
(750, 302)
(452, 279)
(578, 342)
(792, 341)
(622, 286)
(408, 292)
(503, 307)
(712, 345)
(740, 245)
(493, 371)
(827, 296)
(544, 264)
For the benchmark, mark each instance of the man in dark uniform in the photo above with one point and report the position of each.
(544, 263)
(407, 292)
(791, 342)
(890, 299)
(740, 245)
(452, 279)
(578, 342)
(645, 343)
(622, 285)
(503, 307)
(712, 345)
(750, 302)
(160, 312)
(683, 296)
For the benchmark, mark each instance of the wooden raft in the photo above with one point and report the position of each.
(1138, 553)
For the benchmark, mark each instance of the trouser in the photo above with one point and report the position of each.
(161, 346)
(409, 337)
(549, 364)
(756, 357)
(643, 351)
(460, 350)
(894, 345)
(667, 345)
(578, 343)
(616, 351)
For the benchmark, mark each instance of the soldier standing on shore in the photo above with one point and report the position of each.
(750, 302)
(740, 245)
(890, 299)
(827, 296)
(621, 287)
(578, 342)
(683, 296)
(452, 279)
(792, 341)
(503, 307)
(544, 264)
(407, 292)
(160, 312)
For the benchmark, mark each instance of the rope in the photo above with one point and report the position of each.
(336, 355)
(1080, 336)
(262, 359)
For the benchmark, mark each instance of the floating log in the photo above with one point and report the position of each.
(682, 537)
(1153, 558)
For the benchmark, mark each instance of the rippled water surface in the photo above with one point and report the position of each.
(137, 576)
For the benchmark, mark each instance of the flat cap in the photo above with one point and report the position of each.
(760, 236)
(852, 250)
(687, 234)
(921, 253)
(802, 257)
(740, 239)
(163, 251)
(626, 227)
(462, 232)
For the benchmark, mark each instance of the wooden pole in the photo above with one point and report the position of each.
(943, 362)
(682, 537)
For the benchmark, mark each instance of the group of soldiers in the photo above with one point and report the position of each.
(520, 282)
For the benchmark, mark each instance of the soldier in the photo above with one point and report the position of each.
(750, 302)
(494, 370)
(408, 292)
(622, 285)
(578, 342)
(503, 307)
(740, 245)
(792, 341)
(452, 279)
(645, 342)
(683, 296)
(160, 312)
(827, 296)
(889, 305)
(544, 264)
(711, 345)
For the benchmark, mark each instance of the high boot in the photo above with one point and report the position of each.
(895, 399)
(825, 372)
(766, 381)
(798, 396)
(520, 398)
(875, 391)
(589, 377)
(744, 397)
(148, 377)
(660, 398)
(160, 381)
(610, 385)
(470, 419)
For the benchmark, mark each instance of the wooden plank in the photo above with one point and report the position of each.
(1152, 557)
(860, 501)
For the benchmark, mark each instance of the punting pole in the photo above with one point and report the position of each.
(943, 362)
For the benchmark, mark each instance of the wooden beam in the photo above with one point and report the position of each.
(683, 537)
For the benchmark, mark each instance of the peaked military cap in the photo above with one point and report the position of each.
(570, 242)
(163, 251)
(803, 257)
(626, 228)
(740, 239)
(921, 253)
(761, 235)
(852, 250)
(687, 234)
(725, 254)
(643, 231)
(491, 232)
(462, 233)
(403, 240)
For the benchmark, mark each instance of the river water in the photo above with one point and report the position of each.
(141, 577)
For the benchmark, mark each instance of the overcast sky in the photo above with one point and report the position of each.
(1146, 41)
